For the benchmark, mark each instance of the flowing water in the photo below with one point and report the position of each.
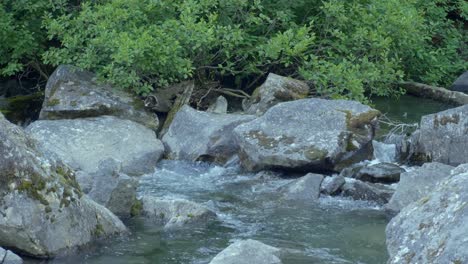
(335, 230)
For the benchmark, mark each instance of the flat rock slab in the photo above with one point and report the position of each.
(248, 252)
(307, 135)
(85, 143)
(366, 191)
(74, 93)
(381, 173)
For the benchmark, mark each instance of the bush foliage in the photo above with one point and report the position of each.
(346, 49)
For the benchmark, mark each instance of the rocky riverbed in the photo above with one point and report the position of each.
(296, 180)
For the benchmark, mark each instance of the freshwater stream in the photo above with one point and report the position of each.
(335, 230)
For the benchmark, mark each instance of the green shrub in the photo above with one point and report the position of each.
(345, 49)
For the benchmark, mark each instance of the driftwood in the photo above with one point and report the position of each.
(436, 93)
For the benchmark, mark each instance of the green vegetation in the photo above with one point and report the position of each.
(345, 49)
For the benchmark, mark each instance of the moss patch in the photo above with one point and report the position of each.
(444, 120)
(315, 154)
(137, 208)
(53, 102)
(269, 142)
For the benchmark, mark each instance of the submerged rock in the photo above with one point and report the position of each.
(196, 135)
(43, 211)
(443, 137)
(73, 93)
(247, 252)
(84, 143)
(374, 192)
(308, 134)
(432, 229)
(332, 185)
(176, 213)
(304, 189)
(8, 257)
(276, 89)
(416, 184)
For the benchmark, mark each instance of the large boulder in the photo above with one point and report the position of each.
(304, 189)
(443, 137)
(73, 93)
(432, 229)
(176, 213)
(84, 143)
(274, 90)
(416, 184)
(196, 135)
(8, 257)
(308, 135)
(43, 212)
(247, 252)
(461, 83)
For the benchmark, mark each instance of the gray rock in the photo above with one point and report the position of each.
(432, 229)
(276, 89)
(308, 134)
(384, 152)
(112, 189)
(380, 172)
(304, 189)
(196, 135)
(84, 143)
(247, 252)
(43, 212)
(176, 213)
(366, 191)
(461, 83)
(220, 106)
(73, 93)
(416, 184)
(332, 185)
(444, 137)
(8, 257)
